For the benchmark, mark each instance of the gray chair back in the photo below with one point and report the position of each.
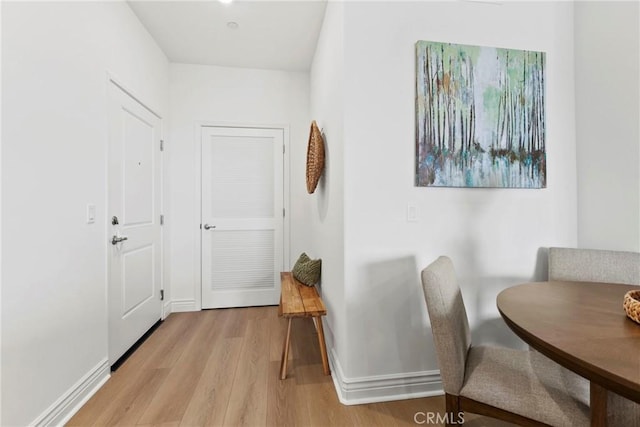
(592, 265)
(449, 322)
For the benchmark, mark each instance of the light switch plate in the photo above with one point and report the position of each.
(412, 213)
(91, 214)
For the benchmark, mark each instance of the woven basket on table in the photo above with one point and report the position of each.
(315, 157)
(632, 305)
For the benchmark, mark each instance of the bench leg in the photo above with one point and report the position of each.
(285, 351)
(323, 347)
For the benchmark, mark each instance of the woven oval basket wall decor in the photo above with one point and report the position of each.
(315, 157)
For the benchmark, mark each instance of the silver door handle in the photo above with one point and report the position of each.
(208, 227)
(117, 239)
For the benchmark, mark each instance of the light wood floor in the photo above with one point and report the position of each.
(220, 367)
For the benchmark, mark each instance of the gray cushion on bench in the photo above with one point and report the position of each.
(592, 265)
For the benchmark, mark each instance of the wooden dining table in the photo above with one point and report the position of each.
(583, 327)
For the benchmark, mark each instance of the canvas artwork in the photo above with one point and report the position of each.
(480, 116)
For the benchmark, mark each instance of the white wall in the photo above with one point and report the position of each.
(326, 217)
(55, 59)
(199, 94)
(608, 124)
(492, 235)
(361, 91)
(1, 222)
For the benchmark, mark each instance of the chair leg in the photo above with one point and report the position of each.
(452, 406)
(285, 352)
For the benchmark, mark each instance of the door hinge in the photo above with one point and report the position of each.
(162, 145)
(283, 148)
(161, 219)
(161, 294)
(283, 212)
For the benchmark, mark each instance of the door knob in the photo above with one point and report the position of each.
(208, 227)
(117, 239)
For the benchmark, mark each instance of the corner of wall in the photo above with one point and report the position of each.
(606, 44)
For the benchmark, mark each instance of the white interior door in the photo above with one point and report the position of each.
(242, 227)
(134, 221)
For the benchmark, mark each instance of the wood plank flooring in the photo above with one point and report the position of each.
(221, 368)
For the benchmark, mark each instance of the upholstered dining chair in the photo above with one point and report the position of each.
(517, 386)
(595, 265)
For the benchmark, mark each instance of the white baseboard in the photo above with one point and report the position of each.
(166, 310)
(182, 305)
(383, 388)
(66, 406)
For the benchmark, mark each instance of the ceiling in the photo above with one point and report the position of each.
(279, 35)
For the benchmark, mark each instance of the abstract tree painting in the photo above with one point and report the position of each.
(480, 116)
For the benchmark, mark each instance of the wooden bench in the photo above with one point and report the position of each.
(298, 300)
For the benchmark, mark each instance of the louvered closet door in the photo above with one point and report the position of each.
(242, 216)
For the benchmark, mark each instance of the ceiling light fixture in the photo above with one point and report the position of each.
(232, 25)
(225, 1)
